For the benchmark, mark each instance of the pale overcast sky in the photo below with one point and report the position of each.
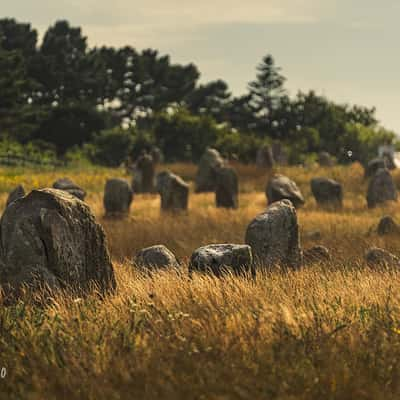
(345, 49)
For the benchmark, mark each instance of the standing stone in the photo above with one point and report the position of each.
(156, 257)
(373, 166)
(265, 158)
(325, 159)
(16, 194)
(280, 187)
(144, 173)
(51, 238)
(221, 258)
(70, 187)
(274, 237)
(118, 197)
(327, 192)
(206, 176)
(387, 226)
(174, 191)
(381, 188)
(227, 188)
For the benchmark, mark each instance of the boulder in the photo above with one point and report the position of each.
(227, 188)
(274, 237)
(280, 187)
(387, 226)
(316, 254)
(373, 166)
(327, 192)
(50, 238)
(206, 176)
(156, 257)
(221, 258)
(174, 191)
(381, 188)
(118, 197)
(16, 194)
(377, 257)
(144, 174)
(67, 185)
(325, 159)
(265, 158)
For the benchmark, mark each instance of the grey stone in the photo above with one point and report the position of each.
(316, 254)
(265, 158)
(377, 257)
(144, 174)
(381, 188)
(221, 258)
(227, 188)
(67, 185)
(274, 237)
(373, 166)
(16, 194)
(280, 187)
(174, 191)
(156, 257)
(51, 238)
(118, 197)
(206, 176)
(327, 192)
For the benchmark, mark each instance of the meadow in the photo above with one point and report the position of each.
(328, 331)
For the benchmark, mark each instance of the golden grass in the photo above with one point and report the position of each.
(327, 331)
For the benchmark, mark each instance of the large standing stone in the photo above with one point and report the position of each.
(156, 257)
(220, 258)
(381, 188)
(227, 188)
(67, 185)
(206, 176)
(274, 237)
(16, 194)
(325, 159)
(144, 174)
(265, 158)
(174, 191)
(327, 192)
(373, 166)
(51, 238)
(118, 197)
(281, 187)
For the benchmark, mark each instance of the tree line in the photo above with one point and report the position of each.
(107, 103)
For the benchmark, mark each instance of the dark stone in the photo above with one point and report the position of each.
(373, 166)
(316, 254)
(218, 259)
(281, 187)
(327, 192)
(118, 197)
(377, 257)
(265, 158)
(156, 257)
(67, 185)
(381, 189)
(174, 191)
(227, 188)
(206, 176)
(144, 174)
(325, 159)
(387, 226)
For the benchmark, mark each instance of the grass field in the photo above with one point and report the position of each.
(327, 331)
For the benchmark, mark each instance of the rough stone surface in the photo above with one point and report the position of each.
(325, 159)
(144, 174)
(51, 238)
(206, 176)
(373, 166)
(265, 158)
(327, 192)
(16, 194)
(156, 257)
(387, 226)
(316, 254)
(174, 191)
(118, 197)
(381, 188)
(221, 258)
(280, 187)
(377, 257)
(227, 188)
(274, 237)
(67, 185)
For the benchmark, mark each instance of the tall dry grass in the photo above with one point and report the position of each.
(329, 331)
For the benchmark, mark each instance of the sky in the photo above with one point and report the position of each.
(345, 49)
